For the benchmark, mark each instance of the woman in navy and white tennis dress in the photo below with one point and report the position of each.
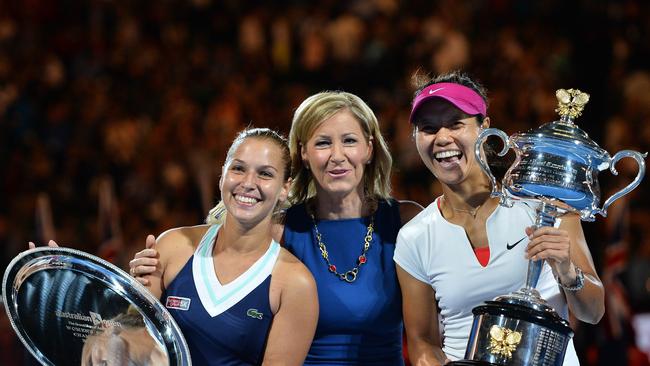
(222, 324)
(238, 297)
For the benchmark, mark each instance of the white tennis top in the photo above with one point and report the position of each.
(439, 253)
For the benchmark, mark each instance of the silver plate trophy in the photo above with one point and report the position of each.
(71, 308)
(556, 166)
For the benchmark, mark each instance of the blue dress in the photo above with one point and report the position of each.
(360, 323)
(222, 324)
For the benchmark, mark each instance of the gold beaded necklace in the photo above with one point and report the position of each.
(351, 275)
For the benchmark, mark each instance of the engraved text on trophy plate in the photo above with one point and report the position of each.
(550, 170)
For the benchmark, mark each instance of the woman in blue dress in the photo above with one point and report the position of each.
(343, 226)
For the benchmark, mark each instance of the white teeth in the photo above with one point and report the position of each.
(447, 154)
(243, 199)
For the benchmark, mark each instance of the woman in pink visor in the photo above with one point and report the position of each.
(465, 248)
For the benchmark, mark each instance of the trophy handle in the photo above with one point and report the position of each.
(637, 180)
(503, 199)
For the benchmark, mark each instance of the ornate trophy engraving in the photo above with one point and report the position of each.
(556, 166)
(71, 308)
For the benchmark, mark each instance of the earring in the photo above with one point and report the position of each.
(368, 162)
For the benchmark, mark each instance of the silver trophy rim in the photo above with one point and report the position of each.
(141, 295)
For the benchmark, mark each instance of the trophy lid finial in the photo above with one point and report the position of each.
(570, 103)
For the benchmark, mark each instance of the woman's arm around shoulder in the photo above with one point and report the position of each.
(294, 322)
(408, 210)
(174, 246)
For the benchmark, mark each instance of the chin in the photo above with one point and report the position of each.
(450, 179)
(249, 221)
(339, 189)
(245, 214)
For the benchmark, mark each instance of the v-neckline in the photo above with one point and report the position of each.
(215, 296)
(468, 243)
(213, 273)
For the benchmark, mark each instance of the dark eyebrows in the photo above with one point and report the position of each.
(269, 167)
(239, 161)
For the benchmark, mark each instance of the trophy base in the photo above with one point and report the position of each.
(518, 329)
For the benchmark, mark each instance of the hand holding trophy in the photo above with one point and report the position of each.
(556, 167)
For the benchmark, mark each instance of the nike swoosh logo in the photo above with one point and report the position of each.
(435, 90)
(508, 246)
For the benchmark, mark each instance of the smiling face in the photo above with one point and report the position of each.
(336, 154)
(445, 138)
(253, 180)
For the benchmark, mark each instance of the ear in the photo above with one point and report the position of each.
(284, 193)
(370, 149)
(486, 122)
(223, 170)
(303, 155)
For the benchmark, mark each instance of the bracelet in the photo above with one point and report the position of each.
(580, 281)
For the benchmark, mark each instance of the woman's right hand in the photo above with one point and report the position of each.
(145, 261)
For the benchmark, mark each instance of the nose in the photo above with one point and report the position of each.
(338, 155)
(443, 136)
(249, 179)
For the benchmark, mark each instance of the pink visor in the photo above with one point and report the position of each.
(464, 98)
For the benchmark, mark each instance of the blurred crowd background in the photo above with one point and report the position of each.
(115, 115)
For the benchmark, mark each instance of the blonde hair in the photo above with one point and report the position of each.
(217, 214)
(314, 111)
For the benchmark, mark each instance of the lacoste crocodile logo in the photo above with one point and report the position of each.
(253, 313)
(509, 247)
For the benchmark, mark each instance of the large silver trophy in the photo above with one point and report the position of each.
(71, 308)
(556, 166)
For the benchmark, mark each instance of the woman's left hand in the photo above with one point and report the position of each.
(551, 244)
